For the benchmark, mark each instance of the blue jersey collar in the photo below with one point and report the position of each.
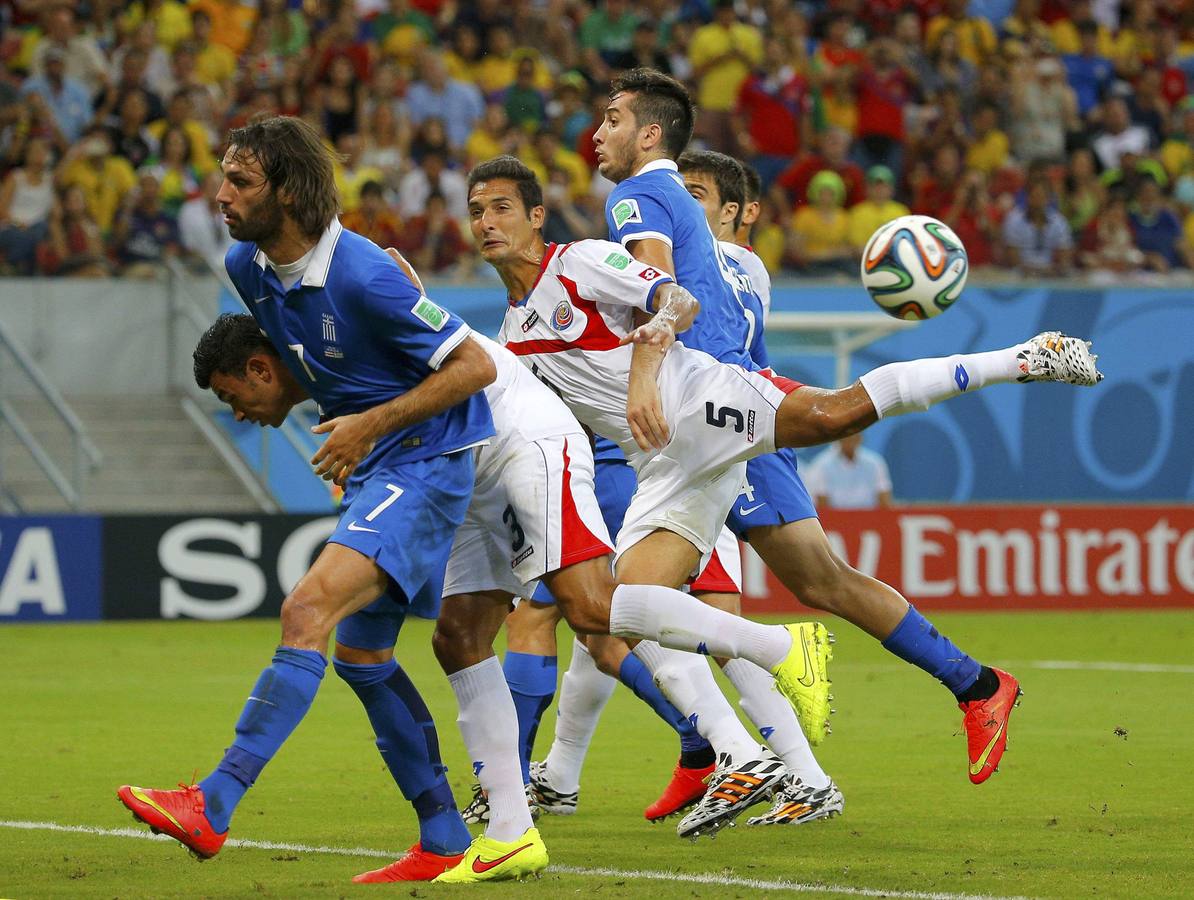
(321, 260)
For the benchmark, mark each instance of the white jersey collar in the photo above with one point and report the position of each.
(321, 257)
(653, 165)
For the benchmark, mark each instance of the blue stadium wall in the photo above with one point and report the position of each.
(1126, 440)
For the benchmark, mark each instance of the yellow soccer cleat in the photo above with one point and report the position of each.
(803, 677)
(490, 860)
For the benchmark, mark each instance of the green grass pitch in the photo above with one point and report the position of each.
(1094, 797)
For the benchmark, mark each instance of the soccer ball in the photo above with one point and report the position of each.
(914, 267)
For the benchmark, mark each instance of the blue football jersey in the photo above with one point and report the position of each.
(356, 333)
(655, 204)
(752, 309)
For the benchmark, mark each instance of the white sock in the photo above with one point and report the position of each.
(682, 622)
(773, 715)
(583, 694)
(915, 385)
(489, 727)
(685, 679)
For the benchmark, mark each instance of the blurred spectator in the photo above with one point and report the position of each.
(432, 240)
(26, 198)
(570, 110)
(401, 29)
(767, 238)
(885, 87)
(644, 50)
(179, 115)
(176, 177)
(1108, 245)
(524, 101)
(145, 235)
(74, 244)
(231, 22)
(215, 63)
(975, 219)
(772, 113)
(547, 154)
(948, 69)
(1177, 153)
(462, 59)
(1148, 108)
(84, 61)
(1043, 110)
(1067, 32)
(201, 228)
(976, 37)
(989, 147)
(129, 132)
(1088, 71)
(605, 33)
(1026, 26)
(343, 37)
(934, 194)
(834, 147)
(340, 99)
(155, 74)
(171, 20)
(430, 137)
(432, 176)
(565, 220)
(1084, 191)
(373, 218)
(436, 96)
(877, 209)
(385, 143)
(131, 77)
(1158, 231)
(354, 172)
(722, 54)
(497, 68)
(103, 178)
(820, 237)
(1118, 135)
(489, 138)
(1037, 237)
(849, 476)
(67, 99)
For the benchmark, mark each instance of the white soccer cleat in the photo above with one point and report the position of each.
(797, 803)
(1053, 356)
(545, 797)
(733, 789)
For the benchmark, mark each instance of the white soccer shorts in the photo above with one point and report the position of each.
(533, 511)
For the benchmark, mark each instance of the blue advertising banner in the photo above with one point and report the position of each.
(50, 568)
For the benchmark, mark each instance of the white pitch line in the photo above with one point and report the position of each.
(1166, 668)
(636, 874)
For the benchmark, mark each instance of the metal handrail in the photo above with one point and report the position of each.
(86, 455)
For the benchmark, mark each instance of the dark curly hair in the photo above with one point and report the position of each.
(659, 100)
(226, 346)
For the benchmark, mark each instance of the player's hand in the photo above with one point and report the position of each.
(644, 414)
(406, 267)
(656, 333)
(350, 439)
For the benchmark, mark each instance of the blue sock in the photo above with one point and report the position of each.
(915, 640)
(532, 681)
(637, 677)
(409, 745)
(279, 700)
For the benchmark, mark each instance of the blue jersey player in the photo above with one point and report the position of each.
(646, 127)
(396, 378)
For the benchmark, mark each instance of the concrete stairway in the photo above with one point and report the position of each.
(155, 460)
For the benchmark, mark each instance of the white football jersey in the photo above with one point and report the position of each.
(760, 280)
(568, 328)
(519, 402)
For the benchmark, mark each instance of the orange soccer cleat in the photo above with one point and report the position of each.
(686, 788)
(416, 864)
(178, 814)
(985, 723)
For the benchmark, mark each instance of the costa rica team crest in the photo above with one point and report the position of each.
(562, 317)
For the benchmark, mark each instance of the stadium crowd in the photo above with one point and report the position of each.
(1054, 136)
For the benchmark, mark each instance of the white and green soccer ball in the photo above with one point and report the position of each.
(914, 267)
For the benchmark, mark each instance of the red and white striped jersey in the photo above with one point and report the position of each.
(568, 327)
